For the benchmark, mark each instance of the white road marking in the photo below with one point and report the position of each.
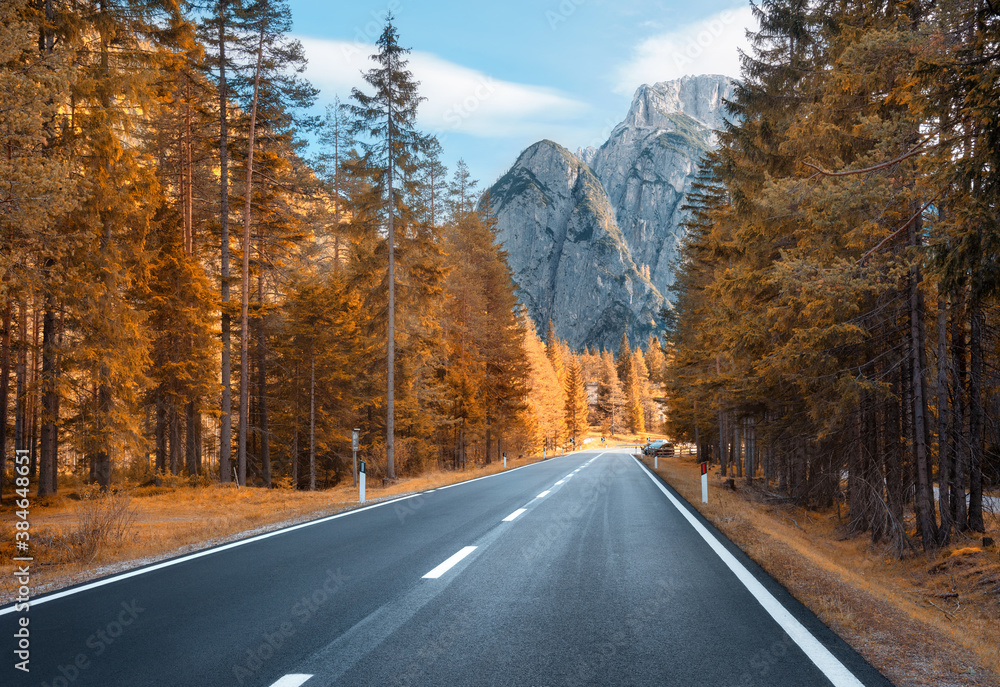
(828, 664)
(242, 542)
(514, 514)
(561, 481)
(293, 680)
(543, 494)
(449, 564)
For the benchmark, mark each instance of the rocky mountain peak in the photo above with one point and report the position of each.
(592, 238)
(698, 97)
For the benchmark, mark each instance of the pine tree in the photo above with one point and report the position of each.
(217, 31)
(576, 401)
(390, 143)
(553, 350)
(546, 416)
(337, 144)
(611, 400)
(277, 92)
(112, 352)
(38, 187)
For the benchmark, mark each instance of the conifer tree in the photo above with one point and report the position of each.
(217, 31)
(553, 350)
(275, 91)
(545, 396)
(576, 401)
(38, 186)
(131, 39)
(611, 400)
(385, 124)
(337, 145)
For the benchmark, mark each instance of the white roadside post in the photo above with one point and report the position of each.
(704, 482)
(656, 460)
(504, 460)
(361, 483)
(354, 453)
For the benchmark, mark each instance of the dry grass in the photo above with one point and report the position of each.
(79, 534)
(924, 621)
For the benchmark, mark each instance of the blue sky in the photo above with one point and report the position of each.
(499, 76)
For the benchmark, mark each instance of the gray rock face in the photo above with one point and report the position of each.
(568, 255)
(592, 238)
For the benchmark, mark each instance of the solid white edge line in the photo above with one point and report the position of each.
(232, 545)
(514, 514)
(292, 680)
(200, 554)
(828, 664)
(543, 494)
(449, 564)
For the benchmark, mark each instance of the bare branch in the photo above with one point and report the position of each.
(907, 224)
(919, 148)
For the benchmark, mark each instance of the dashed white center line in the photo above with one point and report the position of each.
(293, 680)
(450, 563)
(561, 481)
(514, 514)
(543, 494)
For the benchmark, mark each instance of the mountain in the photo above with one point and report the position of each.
(592, 237)
(568, 255)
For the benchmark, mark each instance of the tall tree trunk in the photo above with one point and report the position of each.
(723, 463)
(174, 426)
(943, 421)
(390, 424)
(265, 450)
(226, 417)
(190, 439)
(189, 175)
(102, 455)
(161, 437)
(20, 404)
(245, 302)
(48, 450)
(33, 398)
(976, 434)
(295, 455)
(959, 433)
(926, 520)
(312, 417)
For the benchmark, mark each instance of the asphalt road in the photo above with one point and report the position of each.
(586, 570)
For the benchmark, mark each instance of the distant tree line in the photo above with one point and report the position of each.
(835, 335)
(185, 292)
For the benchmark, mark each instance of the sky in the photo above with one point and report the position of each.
(499, 76)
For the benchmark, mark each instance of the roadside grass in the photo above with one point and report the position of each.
(922, 620)
(79, 534)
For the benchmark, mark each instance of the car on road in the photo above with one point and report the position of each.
(652, 446)
(664, 449)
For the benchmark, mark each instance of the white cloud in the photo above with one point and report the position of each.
(459, 99)
(704, 47)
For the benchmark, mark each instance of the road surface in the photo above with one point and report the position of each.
(580, 570)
